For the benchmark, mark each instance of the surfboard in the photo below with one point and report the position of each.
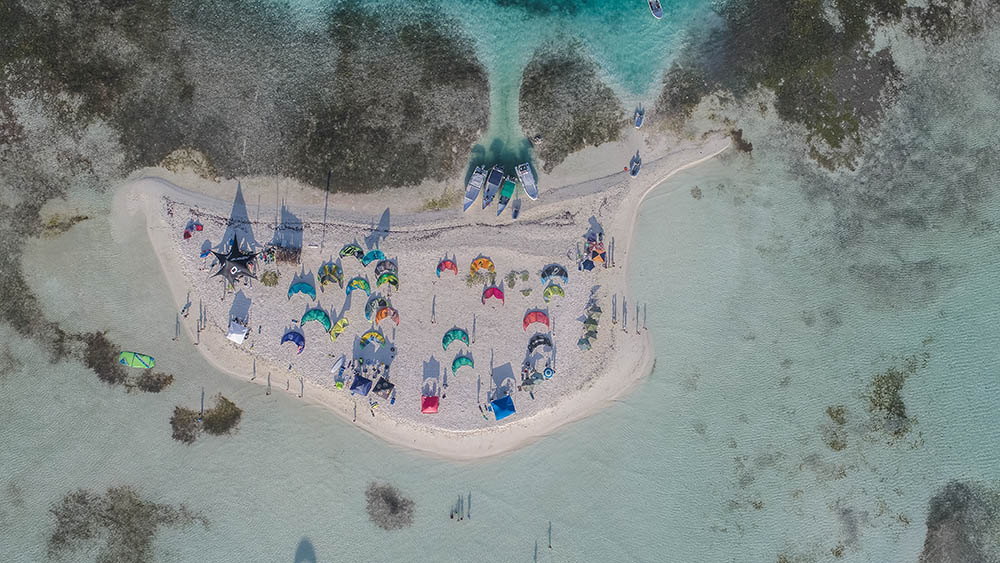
(136, 360)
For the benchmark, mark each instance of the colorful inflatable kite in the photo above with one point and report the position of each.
(352, 250)
(387, 312)
(385, 266)
(460, 361)
(372, 256)
(370, 336)
(447, 264)
(359, 283)
(554, 271)
(453, 335)
(390, 278)
(374, 303)
(318, 315)
(297, 338)
(492, 291)
(481, 263)
(552, 290)
(538, 340)
(303, 288)
(330, 273)
(338, 328)
(535, 317)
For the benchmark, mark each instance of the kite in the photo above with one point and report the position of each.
(538, 340)
(494, 292)
(447, 264)
(554, 271)
(552, 290)
(338, 328)
(303, 288)
(371, 335)
(375, 303)
(389, 277)
(372, 256)
(318, 315)
(460, 361)
(297, 338)
(387, 312)
(330, 273)
(535, 317)
(481, 263)
(453, 335)
(359, 283)
(352, 250)
(385, 266)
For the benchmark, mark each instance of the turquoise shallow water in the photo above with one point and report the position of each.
(767, 303)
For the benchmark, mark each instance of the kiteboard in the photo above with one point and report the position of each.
(136, 360)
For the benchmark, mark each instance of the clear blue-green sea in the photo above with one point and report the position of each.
(777, 292)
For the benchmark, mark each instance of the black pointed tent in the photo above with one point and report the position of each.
(234, 263)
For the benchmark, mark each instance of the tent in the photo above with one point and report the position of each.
(538, 340)
(481, 263)
(372, 256)
(371, 335)
(361, 385)
(389, 277)
(429, 405)
(338, 328)
(596, 309)
(554, 271)
(503, 407)
(590, 322)
(447, 264)
(552, 290)
(359, 283)
(303, 288)
(234, 263)
(237, 331)
(592, 334)
(296, 337)
(588, 265)
(535, 317)
(453, 335)
(492, 291)
(460, 361)
(352, 250)
(374, 303)
(583, 343)
(387, 312)
(318, 315)
(383, 388)
(385, 266)
(330, 273)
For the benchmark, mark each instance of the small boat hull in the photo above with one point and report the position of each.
(654, 6)
(515, 209)
(473, 188)
(527, 180)
(639, 114)
(493, 182)
(505, 194)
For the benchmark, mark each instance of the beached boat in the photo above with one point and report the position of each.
(654, 6)
(634, 164)
(527, 180)
(475, 184)
(492, 185)
(639, 114)
(515, 208)
(505, 193)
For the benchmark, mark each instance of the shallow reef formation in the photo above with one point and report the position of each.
(563, 99)
(120, 523)
(819, 59)
(220, 420)
(387, 507)
(963, 524)
(885, 397)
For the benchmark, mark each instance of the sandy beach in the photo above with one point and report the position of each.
(549, 231)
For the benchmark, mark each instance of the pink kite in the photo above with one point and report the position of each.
(492, 291)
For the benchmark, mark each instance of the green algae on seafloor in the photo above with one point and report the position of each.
(387, 507)
(58, 223)
(221, 419)
(885, 396)
(120, 522)
(563, 99)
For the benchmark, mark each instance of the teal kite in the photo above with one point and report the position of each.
(460, 361)
(317, 315)
(372, 256)
(453, 335)
(302, 287)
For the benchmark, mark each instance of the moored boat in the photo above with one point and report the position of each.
(654, 6)
(505, 193)
(527, 180)
(492, 185)
(634, 164)
(475, 184)
(515, 208)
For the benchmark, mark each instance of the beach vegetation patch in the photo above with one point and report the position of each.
(121, 524)
(387, 507)
(480, 277)
(447, 199)
(58, 223)
(189, 159)
(269, 278)
(564, 100)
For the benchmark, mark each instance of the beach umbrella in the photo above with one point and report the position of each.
(583, 343)
(429, 405)
(590, 322)
(591, 334)
(361, 385)
(596, 309)
(548, 373)
(503, 407)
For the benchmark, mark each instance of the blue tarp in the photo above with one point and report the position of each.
(362, 385)
(503, 407)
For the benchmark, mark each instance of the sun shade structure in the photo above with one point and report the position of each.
(303, 288)
(554, 271)
(330, 273)
(385, 266)
(234, 264)
(338, 328)
(352, 250)
(295, 337)
(583, 343)
(372, 336)
(372, 256)
(447, 264)
(461, 361)
(318, 315)
(535, 317)
(429, 405)
(361, 385)
(551, 291)
(374, 303)
(359, 283)
(390, 278)
(453, 335)
(482, 263)
(539, 340)
(387, 313)
(237, 332)
(383, 388)
(492, 291)
(503, 407)
(591, 321)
